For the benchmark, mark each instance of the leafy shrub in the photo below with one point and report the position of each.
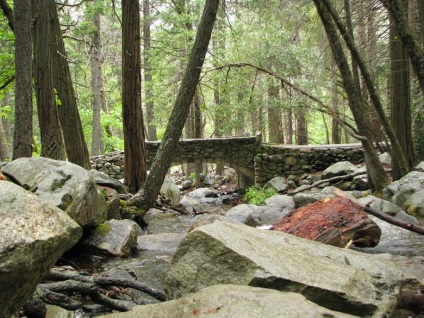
(257, 196)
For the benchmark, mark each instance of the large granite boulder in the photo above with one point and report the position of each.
(66, 185)
(338, 279)
(33, 235)
(235, 301)
(408, 193)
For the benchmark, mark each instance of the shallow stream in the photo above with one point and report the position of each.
(401, 246)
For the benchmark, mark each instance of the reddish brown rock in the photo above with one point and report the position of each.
(335, 221)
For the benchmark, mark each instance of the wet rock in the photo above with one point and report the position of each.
(235, 301)
(338, 279)
(204, 219)
(33, 235)
(161, 242)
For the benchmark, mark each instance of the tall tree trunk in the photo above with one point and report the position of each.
(377, 176)
(241, 129)
(400, 99)
(52, 145)
(374, 96)
(301, 126)
(418, 129)
(412, 46)
(76, 148)
(134, 135)
(148, 94)
(164, 156)
(97, 86)
(274, 116)
(22, 140)
(335, 126)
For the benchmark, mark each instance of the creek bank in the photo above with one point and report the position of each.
(162, 247)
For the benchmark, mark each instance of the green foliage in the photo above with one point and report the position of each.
(257, 196)
(102, 229)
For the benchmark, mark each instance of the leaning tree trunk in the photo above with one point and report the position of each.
(371, 87)
(146, 197)
(377, 176)
(70, 121)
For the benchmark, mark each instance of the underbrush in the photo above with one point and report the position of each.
(257, 196)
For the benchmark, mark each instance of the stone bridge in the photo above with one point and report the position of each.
(256, 162)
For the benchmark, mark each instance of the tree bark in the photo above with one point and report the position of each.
(376, 174)
(148, 94)
(70, 121)
(400, 98)
(8, 12)
(374, 96)
(416, 54)
(22, 140)
(274, 115)
(134, 134)
(97, 86)
(164, 156)
(52, 145)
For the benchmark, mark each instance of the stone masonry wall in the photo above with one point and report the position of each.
(237, 152)
(273, 161)
(260, 162)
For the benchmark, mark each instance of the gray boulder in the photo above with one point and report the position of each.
(103, 179)
(274, 209)
(407, 192)
(420, 166)
(113, 238)
(279, 184)
(243, 214)
(66, 185)
(340, 168)
(338, 279)
(380, 205)
(33, 235)
(171, 191)
(235, 301)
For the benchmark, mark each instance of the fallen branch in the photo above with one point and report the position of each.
(383, 216)
(331, 180)
(53, 293)
(106, 281)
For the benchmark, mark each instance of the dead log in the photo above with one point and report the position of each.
(334, 221)
(383, 216)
